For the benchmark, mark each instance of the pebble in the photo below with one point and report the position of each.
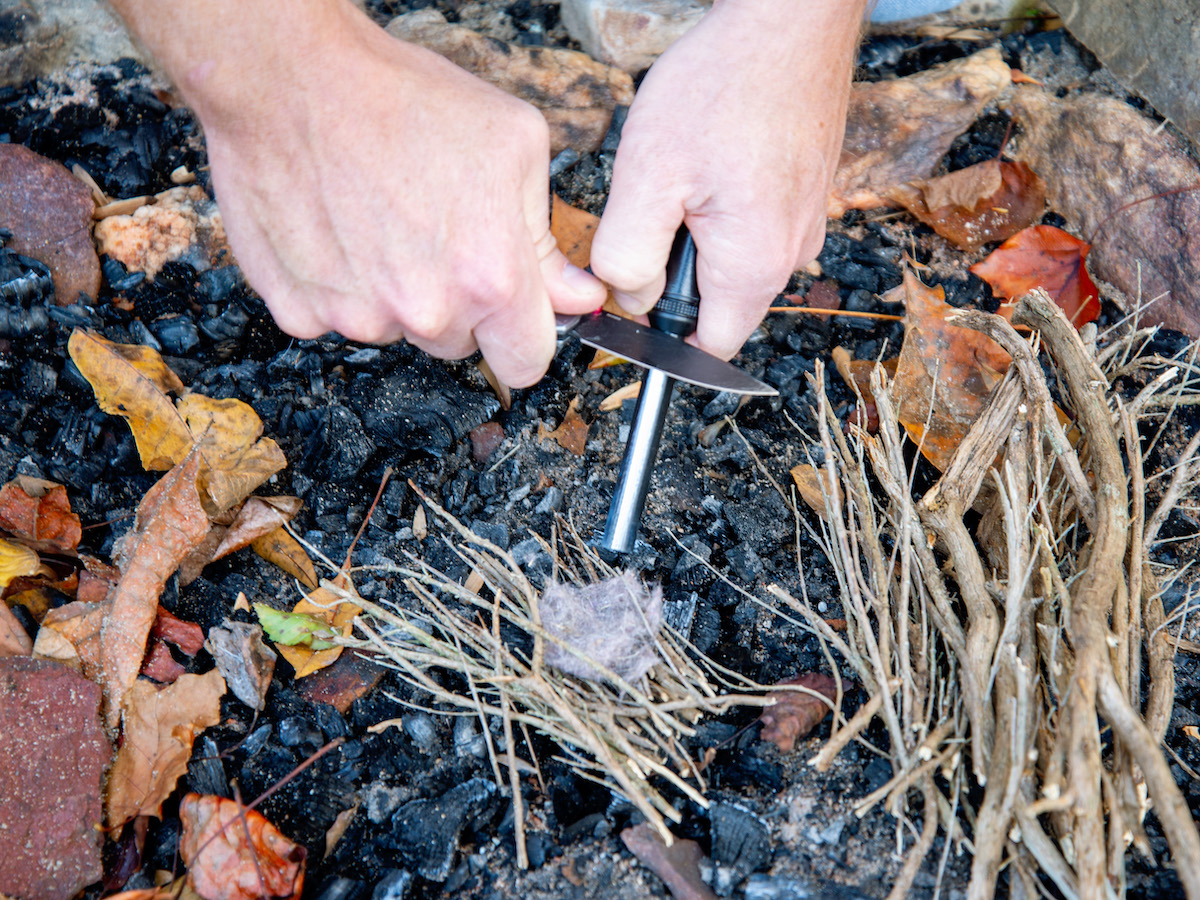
(183, 223)
(629, 34)
(551, 502)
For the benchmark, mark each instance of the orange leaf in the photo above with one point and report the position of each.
(572, 434)
(224, 865)
(281, 549)
(795, 713)
(944, 375)
(573, 230)
(1044, 257)
(39, 512)
(170, 523)
(335, 610)
(989, 201)
(160, 726)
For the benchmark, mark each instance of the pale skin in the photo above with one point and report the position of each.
(372, 188)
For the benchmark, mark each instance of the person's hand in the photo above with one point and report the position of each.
(372, 188)
(735, 131)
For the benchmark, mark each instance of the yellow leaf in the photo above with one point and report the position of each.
(133, 382)
(236, 458)
(321, 602)
(16, 561)
(281, 549)
(809, 483)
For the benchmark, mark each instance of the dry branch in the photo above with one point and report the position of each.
(1020, 639)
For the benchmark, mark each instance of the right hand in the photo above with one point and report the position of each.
(372, 188)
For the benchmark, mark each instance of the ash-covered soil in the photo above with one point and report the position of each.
(343, 413)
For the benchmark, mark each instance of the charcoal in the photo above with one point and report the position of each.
(341, 888)
(551, 501)
(77, 315)
(338, 448)
(218, 284)
(331, 722)
(493, 532)
(741, 844)
(393, 886)
(39, 381)
(425, 832)
(16, 322)
(364, 357)
(177, 334)
(421, 408)
(117, 277)
(421, 728)
(468, 740)
(298, 733)
(206, 771)
(230, 325)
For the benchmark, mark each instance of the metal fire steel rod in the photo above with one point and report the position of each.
(675, 313)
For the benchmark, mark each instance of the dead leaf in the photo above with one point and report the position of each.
(223, 866)
(39, 512)
(187, 636)
(573, 230)
(899, 130)
(280, 549)
(614, 400)
(808, 482)
(243, 659)
(236, 458)
(170, 523)
(1118, 176)
(502, 391)
(678, 865)
(16, 561)
(1044, 257)
(945, 373)
(571, 434)
(419, 526)
(339, 685)
(159, 665)
(160, 724)
(132, 381)
(14, 639)
(338, 828)
(70, 634)
(259, 516)
(989, 201)
(796, 713)
(53, 753)
(326, 605)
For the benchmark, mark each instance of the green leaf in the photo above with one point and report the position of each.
(294, 629)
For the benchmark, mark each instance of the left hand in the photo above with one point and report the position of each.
(736, 132)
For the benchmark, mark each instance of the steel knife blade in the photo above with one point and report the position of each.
(653, 349)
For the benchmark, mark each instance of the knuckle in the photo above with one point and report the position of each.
(428, 319)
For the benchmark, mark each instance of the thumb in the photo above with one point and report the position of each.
(571, 289)
(633, 242)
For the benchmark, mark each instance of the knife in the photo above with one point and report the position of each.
(654, 349)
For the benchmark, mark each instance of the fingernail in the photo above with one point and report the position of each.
(578, 280)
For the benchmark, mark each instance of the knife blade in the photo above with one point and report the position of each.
(653, 349)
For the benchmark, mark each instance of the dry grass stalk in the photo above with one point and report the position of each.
(629, 737)
(1018, 640)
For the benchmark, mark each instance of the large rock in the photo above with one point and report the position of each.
(1150, 45)
(630, 34)
(49, 212)
(38, 37)
(575, 94)
(1099, 156)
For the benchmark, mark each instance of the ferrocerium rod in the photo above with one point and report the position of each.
(675, 314)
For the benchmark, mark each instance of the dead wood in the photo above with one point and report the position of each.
(1021, 639)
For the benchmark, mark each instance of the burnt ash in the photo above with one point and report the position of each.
(429, 821)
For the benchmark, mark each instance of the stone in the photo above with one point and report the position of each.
(49, 212)
(27, 41)
(899, 130)
(630, 34)
(1098, 155)
(1150, 45)
(86, 31)
(182, 223)
(575, 94)
(53, 753)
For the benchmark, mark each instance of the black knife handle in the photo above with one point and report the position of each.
(677, 309)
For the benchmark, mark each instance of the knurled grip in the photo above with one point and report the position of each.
(677, 309)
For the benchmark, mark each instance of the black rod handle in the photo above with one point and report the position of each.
(677, 309)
